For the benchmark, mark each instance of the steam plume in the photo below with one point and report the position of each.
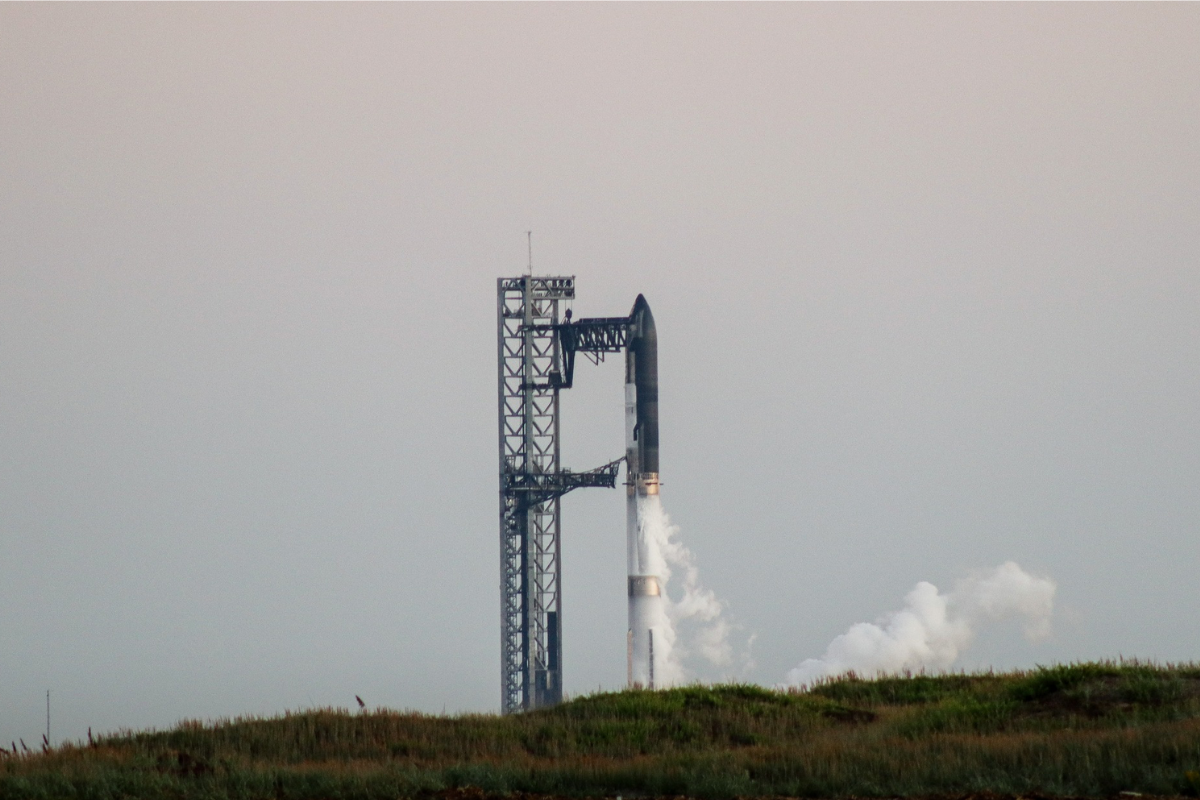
(693, 627)
(933, 629)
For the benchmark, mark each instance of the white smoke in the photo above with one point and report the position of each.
(693, 628)
(932, 629)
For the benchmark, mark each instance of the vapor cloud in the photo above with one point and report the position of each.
(694, 629)
(933, 629)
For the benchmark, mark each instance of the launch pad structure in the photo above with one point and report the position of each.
(536, 360)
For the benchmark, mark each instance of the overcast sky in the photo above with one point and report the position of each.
(926, 280)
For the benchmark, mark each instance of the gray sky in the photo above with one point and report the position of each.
(925, 277)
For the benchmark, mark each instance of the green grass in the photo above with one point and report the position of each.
(1075, 730)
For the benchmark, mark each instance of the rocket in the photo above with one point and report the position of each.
(646, 602)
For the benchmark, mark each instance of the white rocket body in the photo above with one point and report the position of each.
(645, 590)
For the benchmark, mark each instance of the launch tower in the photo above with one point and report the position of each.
(536, 360)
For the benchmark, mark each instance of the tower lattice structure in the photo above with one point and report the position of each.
(534, 351)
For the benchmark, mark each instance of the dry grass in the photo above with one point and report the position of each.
(1080, 730)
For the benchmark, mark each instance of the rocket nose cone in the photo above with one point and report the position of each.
(641, 314)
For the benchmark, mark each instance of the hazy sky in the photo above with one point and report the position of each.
(926, 280)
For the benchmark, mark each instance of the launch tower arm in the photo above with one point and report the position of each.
(534, 488)
(595, 336)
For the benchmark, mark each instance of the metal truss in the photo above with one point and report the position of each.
(534, 489)
(530, 365)
(593, 337)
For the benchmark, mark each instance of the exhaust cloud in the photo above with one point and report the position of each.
(933, 629)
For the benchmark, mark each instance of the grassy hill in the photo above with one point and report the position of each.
(1080, 730)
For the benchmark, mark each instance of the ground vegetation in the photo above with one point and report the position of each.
(1079, 730)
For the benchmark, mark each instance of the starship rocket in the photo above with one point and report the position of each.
(646, 611)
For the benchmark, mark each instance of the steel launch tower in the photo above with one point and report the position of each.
(536, 360)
